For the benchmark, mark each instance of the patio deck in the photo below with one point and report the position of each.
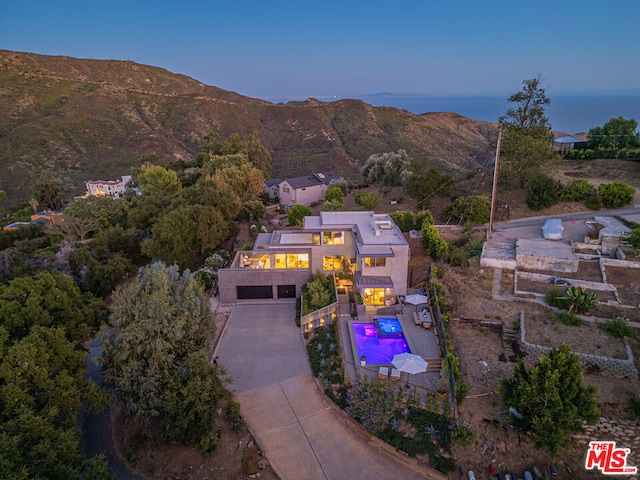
(422, 342)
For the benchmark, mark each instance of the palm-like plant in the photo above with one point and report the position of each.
(579, 300)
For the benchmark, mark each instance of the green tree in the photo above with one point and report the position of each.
(159, 182)
(186, 235)
(107, 211)
(47, 195)
(297, 213)
(542, 192)
(470, 210)
(422, 217)
(548, 401)
(404, 219)
(42, 387)
(192, 399)
(527, 139)
(49, 299)
(433, 243)
(333, 194)
(616, 194)
(386, 168)
(423, 182)
(617, 133)
(157, 323)
(259, 155)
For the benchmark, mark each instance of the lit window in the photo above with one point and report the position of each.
(332, 262)
(374, 261)
(334, 238)
(292, 260)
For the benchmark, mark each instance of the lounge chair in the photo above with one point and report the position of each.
(416, 318)
(383, 373)
(395, 374)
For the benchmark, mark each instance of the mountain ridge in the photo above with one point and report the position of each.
(92, 119)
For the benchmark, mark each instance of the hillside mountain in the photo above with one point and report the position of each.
(92, 119)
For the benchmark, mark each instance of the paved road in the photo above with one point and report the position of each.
(302, 435)
(575, 227)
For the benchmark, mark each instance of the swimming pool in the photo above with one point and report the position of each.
(378, 349)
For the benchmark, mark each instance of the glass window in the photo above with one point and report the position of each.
(374, 261)
(373, 296)
(334, 238)
(332, 263)
(292, 260)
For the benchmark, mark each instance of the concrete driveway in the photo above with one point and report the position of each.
(303, 436)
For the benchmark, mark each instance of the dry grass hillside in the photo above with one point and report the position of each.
(93, 119)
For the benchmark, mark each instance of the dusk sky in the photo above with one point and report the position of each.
(271, 49)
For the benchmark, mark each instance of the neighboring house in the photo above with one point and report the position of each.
(46, 217)
(107, 188)
(282, 261)
(569, 143)
(300, 190)
(271, 187)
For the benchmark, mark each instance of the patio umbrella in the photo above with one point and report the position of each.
(410, 363)
(416, 299)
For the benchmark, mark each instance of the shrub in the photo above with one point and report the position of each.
(341, 183)
(554, 298)
(576, 189)
(297, 213)
(618, 327)
(367, 200)
(542, 192)
(333, 205)
(569, 318)
(474, 210)
(372, 405)
(579, 300)
(421, 217)
(404, 219)
(463, 436)
(333, 194)
(616, 194)
(433, 243)
(634, 238)
(209, 444)
(594, 202)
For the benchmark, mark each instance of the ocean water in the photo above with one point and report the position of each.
(570, 114)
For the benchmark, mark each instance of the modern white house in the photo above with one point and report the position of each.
(107, 188)
(300, 190)
(282, 261)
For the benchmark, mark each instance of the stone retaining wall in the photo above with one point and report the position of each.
(605, 365)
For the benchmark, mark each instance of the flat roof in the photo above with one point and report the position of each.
(373, 228)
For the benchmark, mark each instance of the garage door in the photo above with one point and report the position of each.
(254, 291)
(286, 291)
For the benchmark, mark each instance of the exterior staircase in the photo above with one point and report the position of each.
(434, 365)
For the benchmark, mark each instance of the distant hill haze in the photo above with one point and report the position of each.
(92, 119)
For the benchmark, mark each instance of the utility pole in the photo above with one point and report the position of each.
(495, 184)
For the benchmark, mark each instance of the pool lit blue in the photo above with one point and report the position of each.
(379, 348)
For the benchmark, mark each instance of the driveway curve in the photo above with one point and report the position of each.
(304, 437)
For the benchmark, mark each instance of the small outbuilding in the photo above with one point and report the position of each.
(569, 143)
